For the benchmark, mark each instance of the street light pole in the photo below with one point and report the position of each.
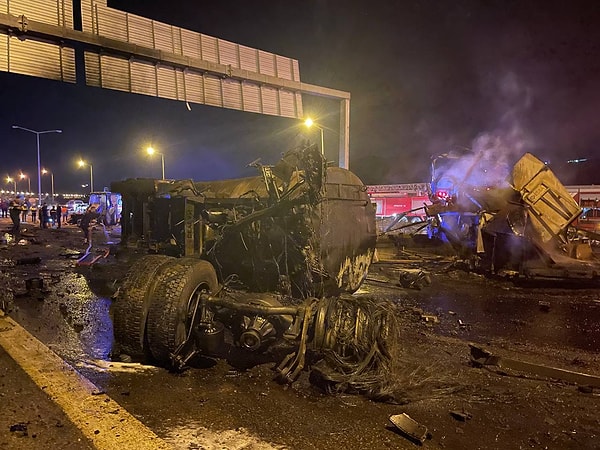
(151, 151)
(309, 123)
(83, 163)
(39, 165)
(44, 172)
(21, 176)
(162, 161)
(322, 140)
(14, 181)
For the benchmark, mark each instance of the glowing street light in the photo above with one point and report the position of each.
(82, 163)
(151, 152)
(39, 167)
(310, 123)
(14, 181)
(44, 172)
(21, 176)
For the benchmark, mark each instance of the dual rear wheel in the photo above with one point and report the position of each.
(154, 306)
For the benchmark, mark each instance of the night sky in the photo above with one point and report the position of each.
(513, 76)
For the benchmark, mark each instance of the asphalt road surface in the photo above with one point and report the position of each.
(226, 404)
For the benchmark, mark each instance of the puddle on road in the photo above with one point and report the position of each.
(65, 314)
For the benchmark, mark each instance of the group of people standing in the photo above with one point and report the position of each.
(19, 209)
(4, 202)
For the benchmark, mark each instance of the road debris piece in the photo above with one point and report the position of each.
(20, 428)
(414, 279)
(430, 319)
(101, 365)
(89, 259)
(461, 416)
(544, 306)
(409, 427)
(481, 357)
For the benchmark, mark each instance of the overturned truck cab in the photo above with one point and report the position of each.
(521, 227)
(248, 262)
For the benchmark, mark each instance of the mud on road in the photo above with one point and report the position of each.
(462, 406)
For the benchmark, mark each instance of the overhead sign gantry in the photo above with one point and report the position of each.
(139, 55)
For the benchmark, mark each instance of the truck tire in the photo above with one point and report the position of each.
(130, 308)
(172, 302)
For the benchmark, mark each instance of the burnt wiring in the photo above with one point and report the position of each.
(357, 338)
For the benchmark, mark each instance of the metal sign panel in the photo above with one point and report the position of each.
(55, 12)
(37, 57)
(131, 74)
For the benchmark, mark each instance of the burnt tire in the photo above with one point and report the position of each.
(173, 302)
(130, 308)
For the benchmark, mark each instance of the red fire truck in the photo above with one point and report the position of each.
(396, 199)
(588, 198)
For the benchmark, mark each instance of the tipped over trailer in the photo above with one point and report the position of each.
(250, 262)
(522, 228)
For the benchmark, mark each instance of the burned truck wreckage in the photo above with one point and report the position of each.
(520, 225)
(255, 264)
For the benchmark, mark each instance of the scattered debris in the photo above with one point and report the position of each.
(544, 306)
(414, 279)
(34, 288)
(410, 428)
(481, 357)
(20, 427)
(461, 416)
(430, 319)
(113, 366)
(463, 325)
(71, 254)
(88, 259)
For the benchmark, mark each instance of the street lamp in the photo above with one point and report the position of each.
(151, 151)
(39, 166)
(309, 123)
(44, 172)
(14, 181)
(82, 163)
(21, 176)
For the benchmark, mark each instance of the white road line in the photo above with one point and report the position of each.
(99, 417)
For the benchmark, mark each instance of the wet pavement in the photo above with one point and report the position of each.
(33, 420)
(217, 405)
